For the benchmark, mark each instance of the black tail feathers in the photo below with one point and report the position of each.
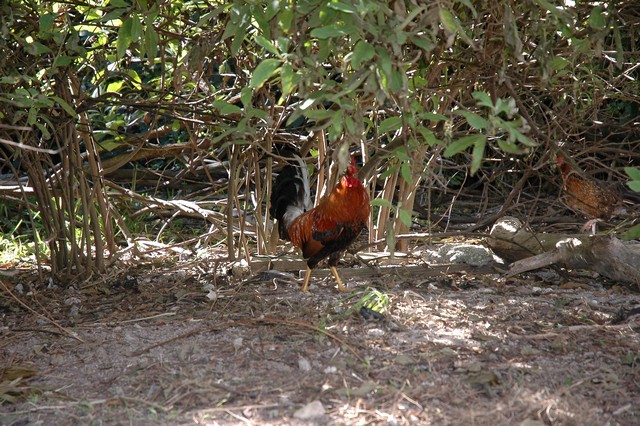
(290, 195)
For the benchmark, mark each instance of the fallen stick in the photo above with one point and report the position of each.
(606, 255)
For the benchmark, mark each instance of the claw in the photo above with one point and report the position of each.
(341, 287)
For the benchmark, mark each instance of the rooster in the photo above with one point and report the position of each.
(592, 198)
(326, 230)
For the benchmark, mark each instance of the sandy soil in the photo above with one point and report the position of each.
(182, 345)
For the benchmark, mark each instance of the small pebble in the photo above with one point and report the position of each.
(330, 370)
(309, 411)
(375, 332)
(304, 364)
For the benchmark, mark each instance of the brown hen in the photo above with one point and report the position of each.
(592, 198)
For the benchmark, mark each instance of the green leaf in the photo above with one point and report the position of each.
(285, 19)
(287, 79)
(46, 135)
(152, 14)
(333, 30)
(463, 143)
(558, 63)
(335, 129)
(406, 173)
(506, 106)
(384, 61)
(510, 31)
(597, 19)
(135, 79)
(65, 106)
(37, 49)
(151, 43)
(374, 300)
(469, 5)
(363, 52)
(351, 83)
(258, 113)
(283, 44)
(136, 28)
(390, 124)
(32, 116)
(477, 155)
(264, 71)
(633, 172)
(405, 216)
(428, 136)
(46, 24)
(114, 14)
(474, 120)
(524, 139)
(391, 169)
(411, 16)
(483, 99)
(23, 93)
(350, 124)
(261, 19)
(246, 96)
(381, 202)
(12, 79)
(319, 114)
(397, 81)
(114, 86)
(325, 47)
(423, 43)
(632, 233)
(62, 61)
(238, 39)
(266, 44)
(448, 20)
(620, 57)
(225, 107)
(342, 7)
(401, 154)
(124, 37)
(509, 148)
(307, 103)
(432, 116)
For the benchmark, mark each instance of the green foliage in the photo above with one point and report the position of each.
(371, 299)
(403, 214)
(501, 124)
(634, 183)
(15, 242)
(632, 233)
(634, 174)
(353, 58)
(463, 79)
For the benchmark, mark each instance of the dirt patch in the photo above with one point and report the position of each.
(157, 347)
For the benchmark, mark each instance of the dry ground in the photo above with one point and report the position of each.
(155, 346)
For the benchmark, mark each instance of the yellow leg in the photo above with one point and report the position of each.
(305, 286)
(341, 286)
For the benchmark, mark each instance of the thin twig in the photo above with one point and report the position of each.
(250, 322)
(165, 314)
(572, 328)
(270, 320)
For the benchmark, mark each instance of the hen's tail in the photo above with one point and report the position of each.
(290, 195)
